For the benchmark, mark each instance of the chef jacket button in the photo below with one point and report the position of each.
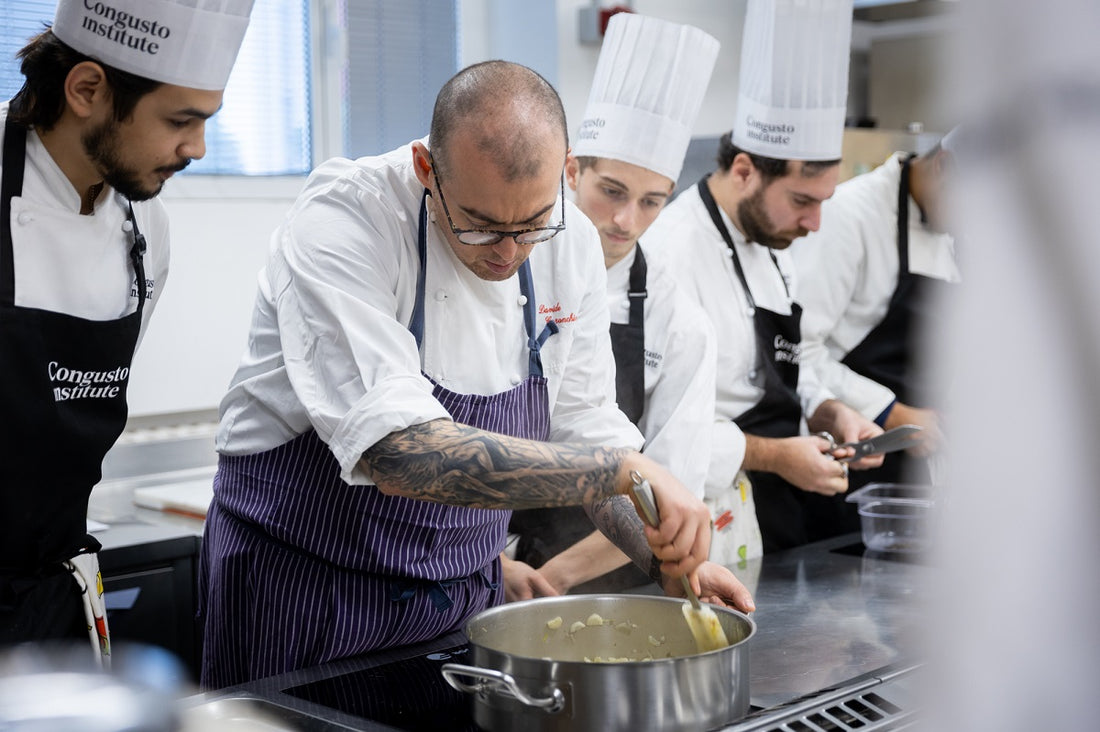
(127, 226)
(522, 300)
(752, 375)
(516, 379)
(729, 252)
(751, 312)
(25, 218)
(440, 295)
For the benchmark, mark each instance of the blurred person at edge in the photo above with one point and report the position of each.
(647, 90)
(101, 122)
(869, 280)
(725, 240)
(429, 349)
(1021, 356)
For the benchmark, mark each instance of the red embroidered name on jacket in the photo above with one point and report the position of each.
(549, 310)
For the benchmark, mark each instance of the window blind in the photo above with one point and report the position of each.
(263, 127)
(400, 52)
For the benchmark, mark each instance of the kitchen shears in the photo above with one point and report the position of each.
(899, 438)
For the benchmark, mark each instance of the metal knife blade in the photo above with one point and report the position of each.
(898, 438)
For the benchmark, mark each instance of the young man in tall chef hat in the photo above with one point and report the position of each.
(871, 279)
(648, 87)
(429, 349)
(726, 239)
(115, 101)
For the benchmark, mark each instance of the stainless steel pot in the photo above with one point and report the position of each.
(527, 674)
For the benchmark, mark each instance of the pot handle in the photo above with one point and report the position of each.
(490, 680)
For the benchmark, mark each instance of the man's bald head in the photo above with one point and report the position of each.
(507, 111)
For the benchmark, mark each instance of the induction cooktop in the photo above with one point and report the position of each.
(408, 695)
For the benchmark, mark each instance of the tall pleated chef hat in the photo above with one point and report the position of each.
(649, 85)
(190, 43)
(793, 90)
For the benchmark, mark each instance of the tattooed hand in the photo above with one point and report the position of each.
(451, 463)
(681, 542)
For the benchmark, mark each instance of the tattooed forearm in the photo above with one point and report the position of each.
(617, 519)
(451, 463)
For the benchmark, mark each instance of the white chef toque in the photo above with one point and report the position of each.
(190, 43)
(793, 91)
(647, 91)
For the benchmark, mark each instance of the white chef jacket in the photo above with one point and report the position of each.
(701, 263)
(848, 270)
(330, 350)
(80, 265)
(680, 364)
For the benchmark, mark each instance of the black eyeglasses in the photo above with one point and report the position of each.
(488, 237)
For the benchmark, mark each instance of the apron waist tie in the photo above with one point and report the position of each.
(404, 589)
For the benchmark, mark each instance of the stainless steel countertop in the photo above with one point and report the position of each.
(112, 501)
(825, 617)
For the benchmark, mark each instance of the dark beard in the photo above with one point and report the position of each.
(101, 145)
(757, 226)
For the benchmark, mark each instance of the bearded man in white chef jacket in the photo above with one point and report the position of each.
(106, 115)
(870, 279)
(725, 240)
(429, 349)
(648, 87)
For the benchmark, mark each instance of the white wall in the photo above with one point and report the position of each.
(491, 30)
(220, 230)
(724, 20)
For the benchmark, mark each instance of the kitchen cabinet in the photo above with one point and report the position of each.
(149, 582)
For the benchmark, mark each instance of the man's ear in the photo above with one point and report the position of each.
(572, 171)
(422, 164)
(86, 89)
(941, 162)
(742, 170)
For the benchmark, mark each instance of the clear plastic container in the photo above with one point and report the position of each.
(896, 526)
(895, 517)
(892, 492)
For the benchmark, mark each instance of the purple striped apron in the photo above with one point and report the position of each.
(299, 568)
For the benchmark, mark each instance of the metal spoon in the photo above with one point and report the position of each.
(704, 624)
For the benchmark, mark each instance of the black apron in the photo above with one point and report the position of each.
(546, 532)
(788, 516)
(628, 345)
(64, 405)
(888, 354)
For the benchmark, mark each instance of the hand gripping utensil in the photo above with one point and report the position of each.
(899, 438)
(704, 624)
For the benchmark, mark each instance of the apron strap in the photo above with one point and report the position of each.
(636, 292)
(534, 344)
(416, 327)
(526, 286)
(137, 254)
(11, 184)
(716, 217)
(712, 209)
(628, 344)
(903, 218)
(402, 590)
